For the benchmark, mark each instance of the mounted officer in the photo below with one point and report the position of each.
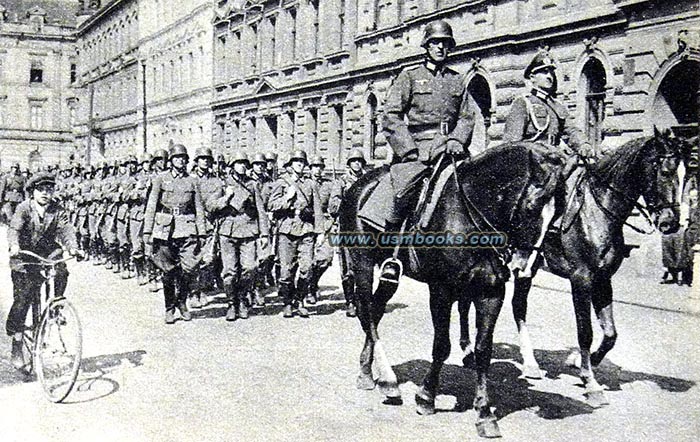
(356, 164)
(538, 116)
(173, 223)
(428, 112)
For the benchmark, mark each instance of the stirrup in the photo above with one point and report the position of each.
(391, 270)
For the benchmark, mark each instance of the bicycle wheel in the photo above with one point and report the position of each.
(58, 350)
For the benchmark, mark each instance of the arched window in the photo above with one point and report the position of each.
(371, 125)
(480, 91)
(593, 80)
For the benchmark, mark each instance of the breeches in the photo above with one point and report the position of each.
(136, 236)
(123, 232)
(296, 255)
(180, 252)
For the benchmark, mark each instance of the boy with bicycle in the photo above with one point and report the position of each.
(42, 226)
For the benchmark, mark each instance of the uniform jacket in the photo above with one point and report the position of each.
(41, 235)
(208, 186)
(243, 214)
(325, 188)
(426, 107)
(338, 191)
(301, 214)
(12, 189)
(169, 191)
(127, 183)
(537, 116)
(139, 194)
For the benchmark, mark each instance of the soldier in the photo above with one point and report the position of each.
(208, 185)
(538, 116)
(428, 112)
(108, 227)
(11, 192)
(295, 203)
(240, 221)
(83, 205)
(221, 166)
(137, 198)
(160, 161)
(323, 252)
(271, 159)
(159, 164)
(96, 212)
(355, 169)
(266, 256)
(173, 221)
(126, 184)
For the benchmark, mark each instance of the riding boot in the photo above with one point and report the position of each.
(285, 292)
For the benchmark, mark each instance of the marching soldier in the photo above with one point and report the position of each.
(137, 197)
(296, 206)
(323, 252)
(173, 221)
(11, 192)
(208, 185)
(96, 212)
(158, 164)
(160, 161)
(83, 205)
(127, 183)
(221, 166)
(266, 256)
(241, 221)
(108, 227)
(355, 169)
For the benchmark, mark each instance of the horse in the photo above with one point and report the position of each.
(500, 190)
(589, 247)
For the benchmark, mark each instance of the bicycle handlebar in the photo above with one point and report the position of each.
(43, 260)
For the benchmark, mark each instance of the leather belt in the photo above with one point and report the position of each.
(185, 210)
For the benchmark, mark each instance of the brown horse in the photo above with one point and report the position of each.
(590, 246)
(501, 190)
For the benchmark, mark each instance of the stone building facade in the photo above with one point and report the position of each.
(38, 93)
(313, 74)
(145, 66)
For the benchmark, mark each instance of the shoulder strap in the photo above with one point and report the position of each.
(533, 118)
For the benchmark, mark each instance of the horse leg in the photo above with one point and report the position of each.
(521, 289)
(581, 289)
(387, 380)
(440, 309)
(488, 303)
(465, 343)
(602, 304)
(363, 297)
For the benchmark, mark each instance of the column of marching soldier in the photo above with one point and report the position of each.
(234, 225)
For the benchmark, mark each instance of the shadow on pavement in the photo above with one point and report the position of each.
(509, 393)
(553, 362)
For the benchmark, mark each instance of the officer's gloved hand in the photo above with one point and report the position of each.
(587, 153)
(456, 148)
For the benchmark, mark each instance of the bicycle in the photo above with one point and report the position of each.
(52, 345)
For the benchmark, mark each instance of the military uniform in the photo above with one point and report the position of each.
(266, 255)
(173, 220)
(299, 219)
(108, 226)
(323, 252)
(240, 220)
(426, 106)
(11, 193)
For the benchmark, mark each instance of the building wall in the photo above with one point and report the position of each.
(612, 56)
(35, 116)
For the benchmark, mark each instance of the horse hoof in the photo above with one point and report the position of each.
(532, 372)
(425, 404)
(488, 428)
(596, 399)
(390, 390)
(365, 382)
(469, 361)
(574, 360)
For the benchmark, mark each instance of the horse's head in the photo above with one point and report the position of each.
(661, 186)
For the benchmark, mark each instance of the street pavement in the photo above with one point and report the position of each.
(275, 379)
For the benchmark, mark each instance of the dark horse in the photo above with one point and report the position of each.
(590, 246)
(503, 189)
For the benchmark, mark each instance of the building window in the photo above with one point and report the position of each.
(314, 10)
(371, 125)
(312, 127)
(293, 29)
(73, 73)
(36, 74)
(36, 116)
(254, 49)
(594, 79)
(273, 41)
(341, 18)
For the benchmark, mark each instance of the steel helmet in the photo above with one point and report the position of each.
(178, 150)
(438, 30)
(146, 158)
(298, 155)
(129, 159)
(238, 157)
(259, 158)
(317, 160)
(203, 152)
(160, 154)
(356, 154)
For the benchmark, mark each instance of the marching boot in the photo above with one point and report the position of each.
(259, 298)
(351, 310)
(170, 297)
(182, 293)
(302, 288)
(243, 308)
(17, 357)
(674, 277)
(312, 296)
(231, 313)
(285, 292)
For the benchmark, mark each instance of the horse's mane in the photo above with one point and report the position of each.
(615, 165)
